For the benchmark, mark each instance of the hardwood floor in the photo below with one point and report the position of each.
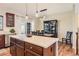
(5, 52)
(63, 50)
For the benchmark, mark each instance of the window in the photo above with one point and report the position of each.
(1, 22)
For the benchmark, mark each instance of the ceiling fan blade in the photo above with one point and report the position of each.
(43, 10)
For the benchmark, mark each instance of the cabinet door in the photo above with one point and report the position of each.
(12, 49)
(2, 41)
(19, 51)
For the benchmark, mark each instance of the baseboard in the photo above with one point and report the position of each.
(6, 46)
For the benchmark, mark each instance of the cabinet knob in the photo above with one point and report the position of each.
(30, 47)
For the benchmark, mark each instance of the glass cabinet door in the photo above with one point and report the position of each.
(46, 28)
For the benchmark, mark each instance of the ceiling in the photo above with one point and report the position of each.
(52, 8)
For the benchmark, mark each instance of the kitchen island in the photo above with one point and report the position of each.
(33, 46)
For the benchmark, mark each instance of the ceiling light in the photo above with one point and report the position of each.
(27, 17)
(26, 13)
(37, 14)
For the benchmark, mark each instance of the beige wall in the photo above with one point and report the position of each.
(2, 12)
(18, 20)
(65, 22)
(76, 23)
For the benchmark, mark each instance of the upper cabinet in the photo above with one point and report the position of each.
(10, 18)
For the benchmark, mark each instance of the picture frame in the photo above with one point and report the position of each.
(1, 22)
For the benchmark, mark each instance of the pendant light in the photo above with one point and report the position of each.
(26, 13)
(37, 15)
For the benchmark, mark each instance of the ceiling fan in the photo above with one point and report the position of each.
(43, 10)
(38, 12)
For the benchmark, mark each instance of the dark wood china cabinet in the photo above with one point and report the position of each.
(51, 28)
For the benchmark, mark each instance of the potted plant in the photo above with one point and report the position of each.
(12, 31)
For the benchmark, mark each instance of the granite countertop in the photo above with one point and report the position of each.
(42, 41)
(5, 33)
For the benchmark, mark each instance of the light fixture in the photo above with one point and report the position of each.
(36, 14)
(26, 17)
(26, 13)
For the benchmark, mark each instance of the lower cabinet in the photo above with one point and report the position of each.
(2, 41)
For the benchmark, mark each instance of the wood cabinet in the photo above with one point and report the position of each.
(10, 19)
(22, 48)
(17, 47)
(12, 47)
(2, 41)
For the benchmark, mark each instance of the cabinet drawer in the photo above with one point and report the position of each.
(30, 53)
(34, 48)
(19, 42)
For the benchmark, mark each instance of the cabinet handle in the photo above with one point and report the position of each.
(31, 47)
(51, 49)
